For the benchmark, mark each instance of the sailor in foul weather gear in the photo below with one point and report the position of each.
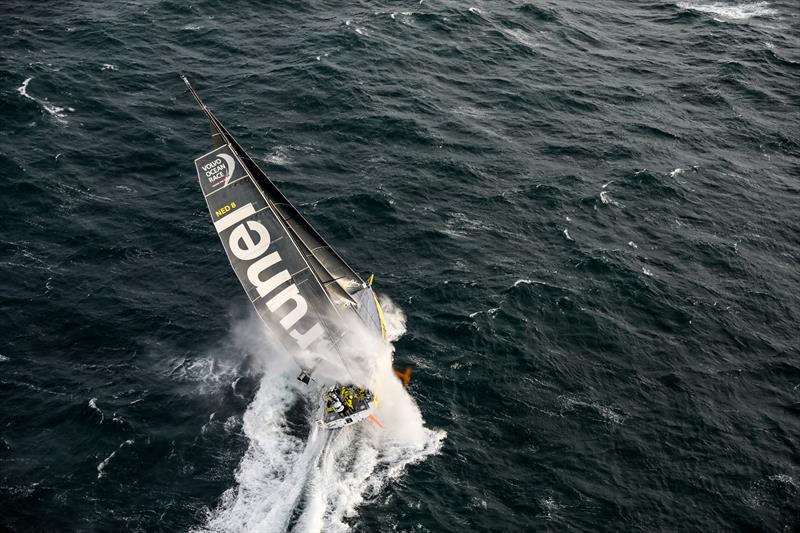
(337, 405)
(347, 397)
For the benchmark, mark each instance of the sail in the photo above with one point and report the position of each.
(299, 285)
(273, 271)
(334, 273)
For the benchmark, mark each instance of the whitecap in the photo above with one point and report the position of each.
(93, 405)
(207, 424)
(607, 199)
(521, 37)
(785, 479)
(566, 234)
(647, 272)
(732, 11)
(104, 463)
(675, 172)
(3, 358)
(632, 245)
(568, 403)
(55, 111)
(280, 155)
(109, 66)
(550, 505)
(522, 282)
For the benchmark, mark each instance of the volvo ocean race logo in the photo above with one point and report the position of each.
(249, 242)
(220, 170)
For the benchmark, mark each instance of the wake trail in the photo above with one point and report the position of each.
(317, 483)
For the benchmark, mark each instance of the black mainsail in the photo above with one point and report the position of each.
(300, 286)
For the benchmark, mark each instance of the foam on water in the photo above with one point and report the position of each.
(315, 485)
(104, 463)
(606, 198)
(732, 11)
(93, 405)
(55, 111)
(569, 404)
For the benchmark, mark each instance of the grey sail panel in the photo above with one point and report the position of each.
(273, 271)
(311, 240)
(369, 311)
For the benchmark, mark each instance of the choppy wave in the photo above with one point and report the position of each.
(104, 463)
(55, 111)
(741, 11)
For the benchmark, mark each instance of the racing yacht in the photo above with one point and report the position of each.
(301, 288)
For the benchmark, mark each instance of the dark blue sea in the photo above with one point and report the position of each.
(583, 217)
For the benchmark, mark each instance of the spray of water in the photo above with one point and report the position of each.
(287, 483)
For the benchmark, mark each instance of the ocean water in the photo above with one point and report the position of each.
(584, 215)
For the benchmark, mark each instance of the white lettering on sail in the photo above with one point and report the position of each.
(250, 250)
(254, 274)
(250, 240)
(272, 283)
(220, 170)
(300, 306)
(309, 337)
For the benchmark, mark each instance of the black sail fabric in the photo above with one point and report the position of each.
(270, 267)
(334, 273)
